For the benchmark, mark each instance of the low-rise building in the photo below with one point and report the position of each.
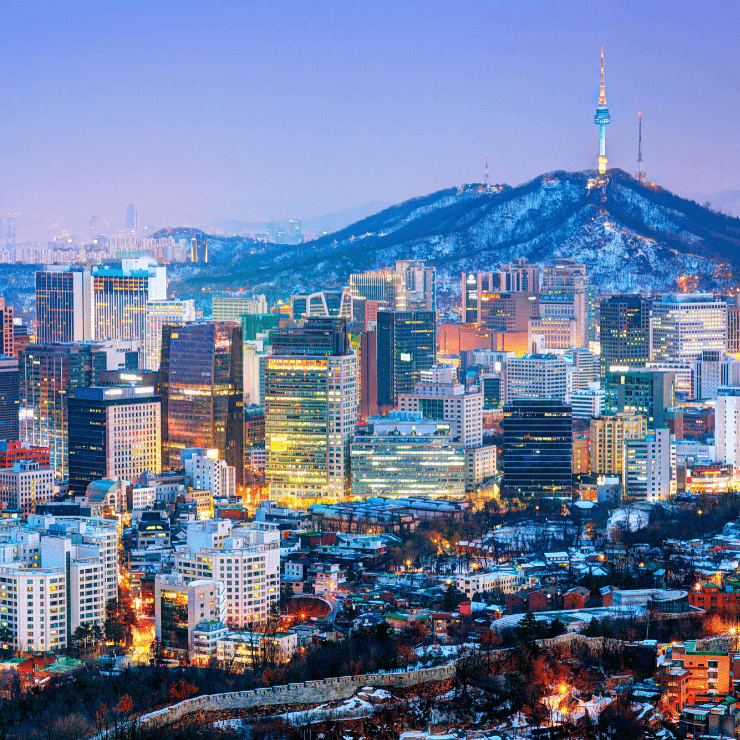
(25, 485)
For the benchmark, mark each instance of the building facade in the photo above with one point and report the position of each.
(624, 332)
(536, 376)
(9, 402)
(608, 435)
(159, 314)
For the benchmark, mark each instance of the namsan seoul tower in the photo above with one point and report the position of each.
(602, 119)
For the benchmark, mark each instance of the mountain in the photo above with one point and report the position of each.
(632, 237)
(726, 200)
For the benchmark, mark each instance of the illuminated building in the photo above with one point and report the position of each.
(9, 405)
(507, 311)
(602, 120)
(114, 433)
(648, 465)
(640, 391)
(208, 473)
(202, 388)
(384, 286)
(685, 324)
(310, 412)
(727, 426)
(420, 285)
(588, 402)
(624, 334)
(180, 606)
(473, 287)
(254, 324)
(233, 308)
(325, 304)
(538, 448)
(13, 451)
(254, 426)
(48, 376)
(567, 293)
(56, 574)
(24, 485)
(608, 435)
(536, 376)
(246, 559)
(438, 396)
(712, 370)
(517, 277)
(406, 346)
(7, 334)
(101, 302)
(159, 314)
(733, 329)
(549, 333)
(404, 454)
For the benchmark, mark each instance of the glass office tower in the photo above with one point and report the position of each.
(537, 453)
(202, 388)
(624, 332)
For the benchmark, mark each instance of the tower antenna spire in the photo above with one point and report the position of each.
(487, 180)
(601, 120)
(640, 169)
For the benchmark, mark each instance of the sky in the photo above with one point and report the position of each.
(257, 110)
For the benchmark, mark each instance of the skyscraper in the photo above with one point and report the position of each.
(9, 406)
(61, 312)
(407, 345)
(537, 451)
(384, 286)
(6, 329)
(647, 467)
(727, 426)
(310, 412)
(602, 120)
(685, 324)
(159, 314)
(49, 373)
(114, 433)
(624, 331)
(132, 218)
(567, 292)
(420, 285)
(202, 386)
(536, 376)
(641, 391)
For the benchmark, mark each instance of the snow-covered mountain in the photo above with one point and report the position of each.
(632, 237)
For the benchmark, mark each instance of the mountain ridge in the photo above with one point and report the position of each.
(630, 235)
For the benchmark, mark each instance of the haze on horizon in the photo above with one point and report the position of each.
(259, 110)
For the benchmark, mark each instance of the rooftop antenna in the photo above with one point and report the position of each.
(487, 180)
(640, 169)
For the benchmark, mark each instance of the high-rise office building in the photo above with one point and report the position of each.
(567, 292)
(641, 391)
(647, 472)
(473, 286)
(208, 473)
(132, 218)
(9, 402)
(420, 285)
(439, 397)
(727, 426)
(114, 433)
(159, 314)
(368, 374)
(202, 388)
(624, 326)
(384, 286)
(97, 303)
(685, 324)
(712, 370)
(608, 435)
(227, 308)
(538, 449)
(733, 329)
(536, 376)
(407, 345)
(507, 311)
(325, 304)
(404, 454)
(310, 412)
(49, 373)
(6, 329)
(26, 484)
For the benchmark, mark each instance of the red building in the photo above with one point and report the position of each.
(576, 598)
(14, 451)
(724, 599)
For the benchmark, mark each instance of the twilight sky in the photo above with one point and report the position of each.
(276, 109)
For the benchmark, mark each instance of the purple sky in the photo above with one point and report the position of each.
(258, 110)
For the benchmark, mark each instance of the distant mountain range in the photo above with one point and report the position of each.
(632, 237)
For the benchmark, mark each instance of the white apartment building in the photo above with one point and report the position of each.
(480, 464)
(55, 575)
(440, 397)
(648, 466)
(589, 402)
(25, 485)
(536, 376)
(159, 314)
(208, 473)
(686, 324)
(713, 370)
(245, 559)
(503, 580)
(727, 426)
